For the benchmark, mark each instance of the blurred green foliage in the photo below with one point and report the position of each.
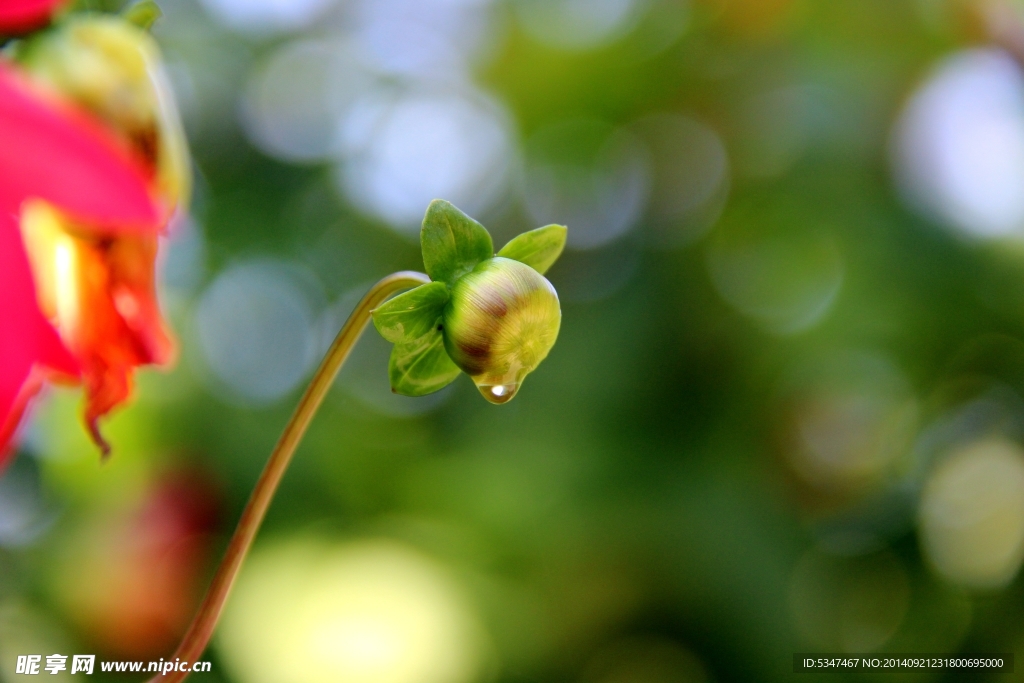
(642, 486)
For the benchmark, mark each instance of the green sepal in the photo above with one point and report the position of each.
(421, 366)
(452, 242)
(538, 248)
(143, 14)
(411, 315)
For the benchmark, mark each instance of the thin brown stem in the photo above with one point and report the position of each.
(199, 632)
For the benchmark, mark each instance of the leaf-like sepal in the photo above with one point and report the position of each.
(421, 366)
(143, 14)
(411, 315)
(538, 248)
(452, 242)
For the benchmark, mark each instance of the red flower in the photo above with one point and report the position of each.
(51, 152)
(21, 16)
(95, 280)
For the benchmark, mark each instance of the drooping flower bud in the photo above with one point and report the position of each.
(501, 321)
(494, 317)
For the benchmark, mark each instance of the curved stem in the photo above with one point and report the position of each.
(199, 632)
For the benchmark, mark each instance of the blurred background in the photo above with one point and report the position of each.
(785, 412)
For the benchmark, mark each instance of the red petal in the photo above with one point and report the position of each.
(21, 16)
(124, 328)
(67, 159)
(101, 296)
(27, 341)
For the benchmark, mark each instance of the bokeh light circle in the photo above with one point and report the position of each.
(310, 611)
(266, 16)
(971, 514)
(578, 24)
(295, 102)
(849, 416)
(423, 38)
(783, 275)
(587, 175)
(690, 177)
(406, 149)
(255, 327)
(958, 147)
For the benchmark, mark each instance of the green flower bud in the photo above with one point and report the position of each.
(493, 317)
(500, 322)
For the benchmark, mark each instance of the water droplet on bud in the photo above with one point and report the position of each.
(498, 393)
